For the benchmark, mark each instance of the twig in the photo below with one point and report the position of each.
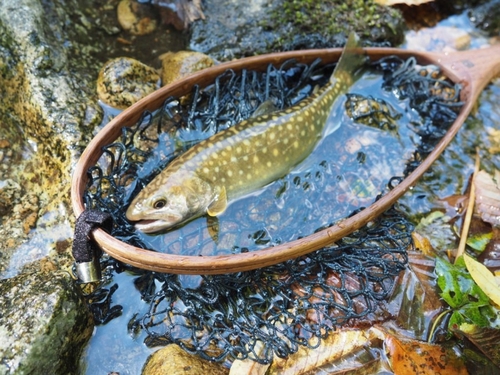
(470, 210)
(434, 325)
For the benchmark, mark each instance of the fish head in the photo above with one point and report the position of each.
(161, 206)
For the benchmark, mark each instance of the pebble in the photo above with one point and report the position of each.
(177, 65)
(136, 18)
(173, 360)
(123, 81)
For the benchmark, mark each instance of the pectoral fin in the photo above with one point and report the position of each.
(219, 204)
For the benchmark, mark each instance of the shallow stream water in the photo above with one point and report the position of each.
(347, 170)
(115, 347)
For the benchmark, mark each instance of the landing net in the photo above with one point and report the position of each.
(272, 311)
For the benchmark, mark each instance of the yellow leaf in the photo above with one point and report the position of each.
(407, 2)
(483, 278)
(337, 345)
(249, 366)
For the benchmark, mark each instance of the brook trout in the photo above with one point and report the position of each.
(243, 158)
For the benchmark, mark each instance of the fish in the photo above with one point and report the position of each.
(243, 158)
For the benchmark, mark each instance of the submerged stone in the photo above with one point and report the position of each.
(43, 325)
(136, 18)
(181, 64)
(173, 360)
(124, 81)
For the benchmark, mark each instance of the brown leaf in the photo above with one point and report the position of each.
(454, 205)
(418, 302)
(180, 13)
(485, 339)
(419, 358)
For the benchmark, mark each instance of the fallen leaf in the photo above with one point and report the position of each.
(483, 278)
(469, 303)
(479, 241)
(454, 205)
(490, 257)
(418, 358)
(488, 197)
(337, 345)
(416, 296)
(485, 339)
(249, 366)
(422, 243)
(437, 229)
(407, 2)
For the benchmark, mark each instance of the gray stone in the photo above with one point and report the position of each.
(235, 29)
(48, 109)
(43, 324)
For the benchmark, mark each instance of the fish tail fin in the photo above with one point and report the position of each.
(352, 59)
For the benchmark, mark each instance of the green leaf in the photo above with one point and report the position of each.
(479, 241)
(458, 289)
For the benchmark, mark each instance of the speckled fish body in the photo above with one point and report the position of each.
(242, 158)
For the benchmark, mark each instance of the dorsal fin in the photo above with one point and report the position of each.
(265, 108)
(352, 58)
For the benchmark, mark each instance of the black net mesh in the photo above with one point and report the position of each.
(273, 310)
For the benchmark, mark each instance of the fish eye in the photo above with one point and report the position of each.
(160, 203)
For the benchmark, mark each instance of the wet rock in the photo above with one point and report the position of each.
(439, 39)
(136, 18)
(123, 81)
(47, 111)
(173, 360)
(234, 29)
(487, 17)
(43, 325)
(181, 64)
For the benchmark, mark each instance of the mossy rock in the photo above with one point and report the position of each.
(43, 325)
(236, 29)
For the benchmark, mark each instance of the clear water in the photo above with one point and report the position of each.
(346, 171)
(113, 347)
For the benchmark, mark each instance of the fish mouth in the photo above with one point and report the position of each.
(153, 226)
